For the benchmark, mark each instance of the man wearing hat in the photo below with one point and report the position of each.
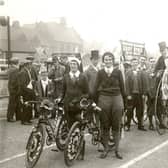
(33, 69)
(13, 87)
(26, 91)
(56, 75)
(92, 70)
(160, 65)
(159, 71)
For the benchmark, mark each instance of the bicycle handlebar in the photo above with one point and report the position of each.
(32, 102)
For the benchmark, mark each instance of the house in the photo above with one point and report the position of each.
(50, 37)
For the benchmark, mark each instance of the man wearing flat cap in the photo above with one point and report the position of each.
(33, 70)
(26, 91)
(13, 88)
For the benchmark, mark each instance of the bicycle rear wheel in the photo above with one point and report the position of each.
(158, 112)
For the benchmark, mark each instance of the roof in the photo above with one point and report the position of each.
(30, 36)
(19, 42)
(51, 32)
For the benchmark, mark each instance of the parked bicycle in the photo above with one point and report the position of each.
(56, 131)
(75, 147)
(160, 111)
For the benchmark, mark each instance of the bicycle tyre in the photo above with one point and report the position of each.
(35, 146)
(62, 133)
(73, 146)
(160, 131)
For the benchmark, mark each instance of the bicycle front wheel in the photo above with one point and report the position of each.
(74, 144)
(62, 133)
(35, 146)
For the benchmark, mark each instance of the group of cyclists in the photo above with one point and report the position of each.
(112, 89)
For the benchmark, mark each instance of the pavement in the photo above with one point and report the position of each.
(139, 149)
(3, 107)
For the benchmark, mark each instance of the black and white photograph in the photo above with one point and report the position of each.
(83, 84)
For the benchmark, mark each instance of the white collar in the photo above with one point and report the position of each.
(108, 70)
(45, 82)
(76, 74)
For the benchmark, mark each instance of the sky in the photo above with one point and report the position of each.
(106, 21)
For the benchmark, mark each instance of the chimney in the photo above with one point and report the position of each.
(63, 21)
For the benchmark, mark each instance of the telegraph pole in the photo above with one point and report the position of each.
(9, 39)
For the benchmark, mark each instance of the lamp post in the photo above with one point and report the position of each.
(9, 55)
(6, 22)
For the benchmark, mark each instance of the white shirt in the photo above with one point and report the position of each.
(76, 74)
(29, 86)
(108, 70)
(44, 85)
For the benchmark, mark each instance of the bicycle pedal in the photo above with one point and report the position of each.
(54, 150)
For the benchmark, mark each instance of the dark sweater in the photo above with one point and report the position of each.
(142, 82)
(110, 86)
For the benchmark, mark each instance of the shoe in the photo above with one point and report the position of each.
(142, 129)
(10, 120)
(30, 122)
(26, 123)
(127, 129)
(104, 154)
(118, 155)
(151, 127)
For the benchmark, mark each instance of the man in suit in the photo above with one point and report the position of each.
(159, 71)
(33, 70)
(92, 70)
(43, 87)
(136, 89)
(26, 91)
(160, 65)
(56, 75)
(13, 87)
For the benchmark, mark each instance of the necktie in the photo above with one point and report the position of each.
(74, 78)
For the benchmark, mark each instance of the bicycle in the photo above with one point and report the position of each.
(38, 137)
(160, 111)
(75, 146)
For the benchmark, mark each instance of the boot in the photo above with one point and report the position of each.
(118, 155)
(116, 141)
(151, 126)
(105, 138)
